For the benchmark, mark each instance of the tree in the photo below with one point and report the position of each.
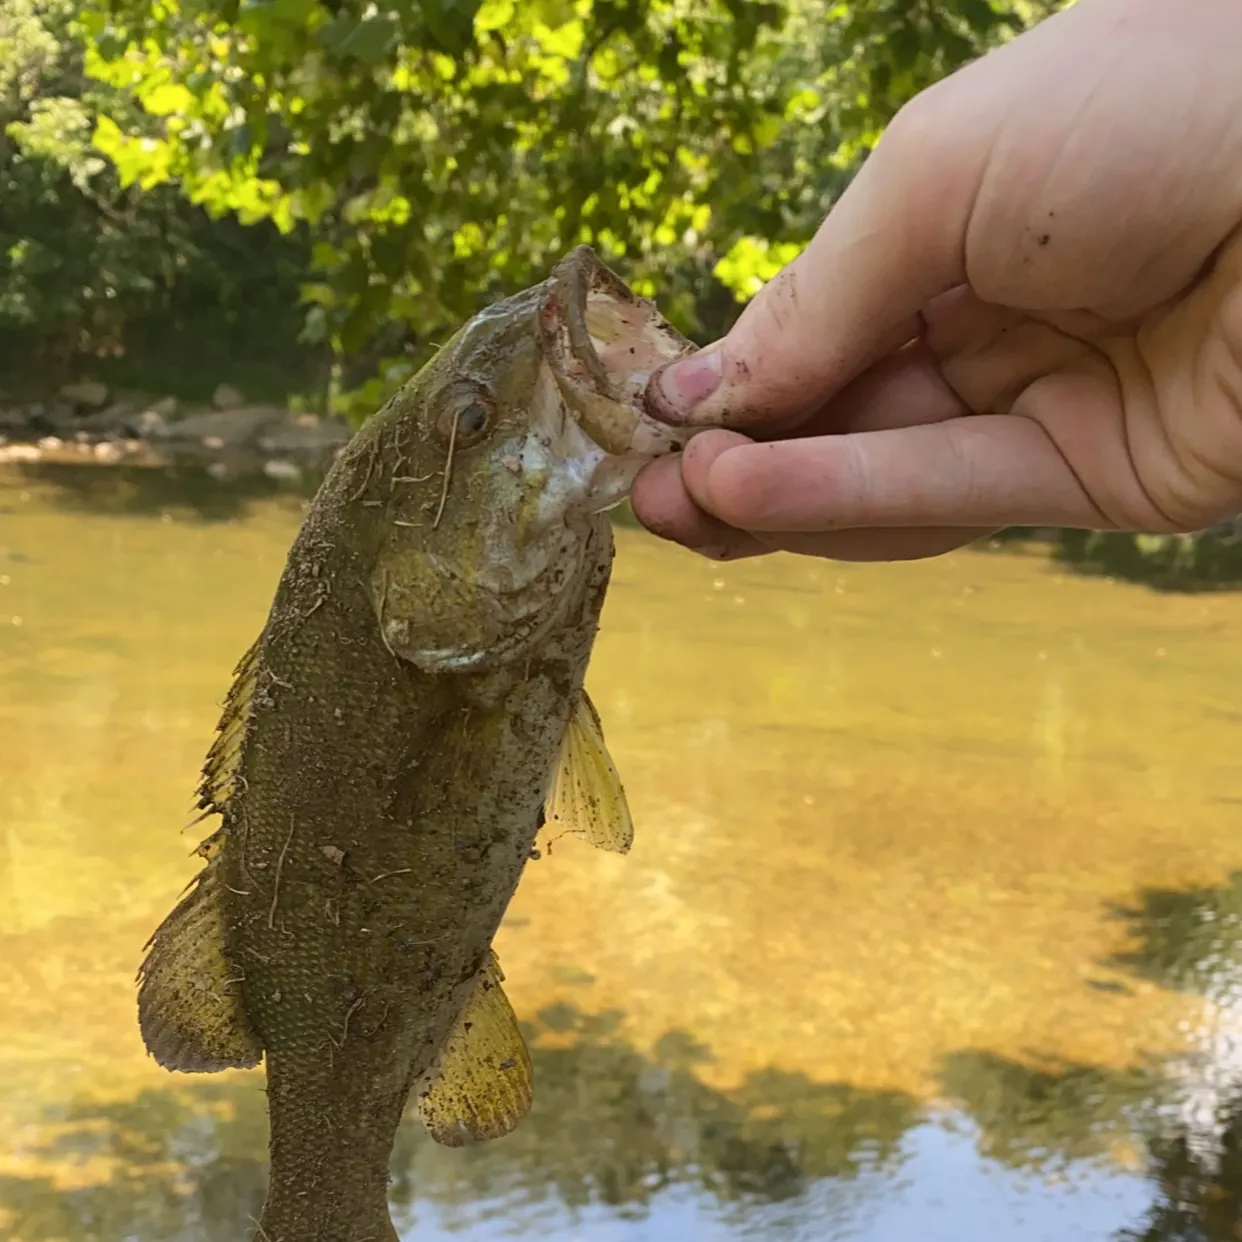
(444, 152)
(93, 272)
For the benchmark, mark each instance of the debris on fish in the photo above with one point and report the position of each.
(411, 714)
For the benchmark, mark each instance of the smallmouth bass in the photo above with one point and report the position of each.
(410, 715)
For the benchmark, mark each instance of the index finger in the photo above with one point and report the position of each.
(893, 241)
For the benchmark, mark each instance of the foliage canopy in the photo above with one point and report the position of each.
(420, 157)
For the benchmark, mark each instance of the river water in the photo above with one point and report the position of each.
(930, 930)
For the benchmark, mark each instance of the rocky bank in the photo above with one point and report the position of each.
(87, 421)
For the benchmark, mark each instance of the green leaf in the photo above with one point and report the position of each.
(450, 22)
(370, 40)
(167, 99)
(494, 15)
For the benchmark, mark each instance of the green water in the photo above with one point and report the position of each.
(929, 931)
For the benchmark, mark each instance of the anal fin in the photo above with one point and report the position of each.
(483, 1083)
(587, 798)
(190, 1007)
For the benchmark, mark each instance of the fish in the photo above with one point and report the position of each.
(411, 715)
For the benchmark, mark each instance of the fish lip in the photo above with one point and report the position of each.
(573, 279)
(609, 417)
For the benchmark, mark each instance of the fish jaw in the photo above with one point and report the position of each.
(602, 344)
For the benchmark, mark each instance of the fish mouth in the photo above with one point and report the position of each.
(602, 343)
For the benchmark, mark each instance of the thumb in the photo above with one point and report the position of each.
(893, 241)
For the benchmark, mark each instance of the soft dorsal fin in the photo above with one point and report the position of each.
(586, 798)
(483, 1083)
(220, 769)
(190, 1007)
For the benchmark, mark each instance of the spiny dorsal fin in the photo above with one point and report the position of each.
(586, 798)
(190, 1007)
(483, 1082)
(220, 770)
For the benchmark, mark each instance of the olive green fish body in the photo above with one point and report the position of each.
(367, 874)
(392, 743)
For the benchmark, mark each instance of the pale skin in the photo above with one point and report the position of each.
(1025, 310)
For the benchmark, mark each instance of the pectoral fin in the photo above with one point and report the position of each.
(483, 1084)
(586, 798)
(189, 1003)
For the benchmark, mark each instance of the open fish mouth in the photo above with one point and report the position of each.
(602, 343)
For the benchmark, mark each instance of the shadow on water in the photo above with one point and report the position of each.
(172, 1165)
(185, 490)
(1039, 1115)
(1044, 1113)
(611, 1127)
(1174, 563)
(1187, 564)
(1198, 1185)
(614, 1129)
(1191, 940)
(152, 491)
(1210, 561)
(1187, 939)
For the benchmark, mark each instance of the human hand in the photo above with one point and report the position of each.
(1025, 310)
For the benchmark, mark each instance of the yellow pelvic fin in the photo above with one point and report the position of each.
(190, 1007)
(483, 1083)
(586, 799)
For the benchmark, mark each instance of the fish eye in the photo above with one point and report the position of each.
(466, 420)
(471, 420)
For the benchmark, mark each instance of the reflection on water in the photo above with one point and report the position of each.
(1199, 1185)
(930, 930)
(615, 1128)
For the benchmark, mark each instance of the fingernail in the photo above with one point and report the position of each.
(673, 392)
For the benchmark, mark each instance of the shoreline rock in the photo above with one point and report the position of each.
(233, 437)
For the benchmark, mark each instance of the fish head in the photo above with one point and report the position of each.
(501, 457)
